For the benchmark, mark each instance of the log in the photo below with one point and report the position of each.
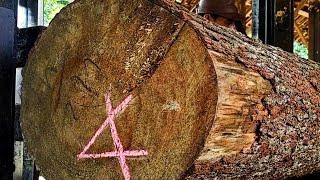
(147, 90)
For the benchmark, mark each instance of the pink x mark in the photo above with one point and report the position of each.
(119, 152)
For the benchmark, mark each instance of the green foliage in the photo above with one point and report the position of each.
(300, 49)
(52, 7)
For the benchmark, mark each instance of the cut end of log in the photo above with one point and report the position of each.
(139, 50)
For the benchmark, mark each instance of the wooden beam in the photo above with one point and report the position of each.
(303, 13)
(249, 22)
(299, 31)
(248, 2)
(248, 13)
(299, 7)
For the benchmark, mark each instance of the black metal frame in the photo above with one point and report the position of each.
(33, 13)
(14, 47)
(314, 33)
(7, 88)
(275, 22)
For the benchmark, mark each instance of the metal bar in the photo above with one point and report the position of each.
(266, 21)
(255, 19)
(314, 32)
(262, 25)
(284, 24)
(7, 91)
(276, 23)
(32, 13)
(40, 13)
(18, 160)
(22, 14)
(270, 22)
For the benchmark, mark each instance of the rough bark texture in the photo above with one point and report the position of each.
(188, 4)
(185, 74)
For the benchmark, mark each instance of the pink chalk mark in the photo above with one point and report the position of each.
(119, 152)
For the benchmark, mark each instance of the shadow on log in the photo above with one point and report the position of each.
(207, 101)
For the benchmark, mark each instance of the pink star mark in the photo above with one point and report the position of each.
(119, 152)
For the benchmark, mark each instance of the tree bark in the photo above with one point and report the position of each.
(207, 101)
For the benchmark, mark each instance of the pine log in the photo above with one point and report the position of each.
(208, 102)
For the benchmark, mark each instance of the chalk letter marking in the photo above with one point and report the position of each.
(119, 152)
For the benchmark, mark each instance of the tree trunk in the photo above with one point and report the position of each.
(190, 99)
